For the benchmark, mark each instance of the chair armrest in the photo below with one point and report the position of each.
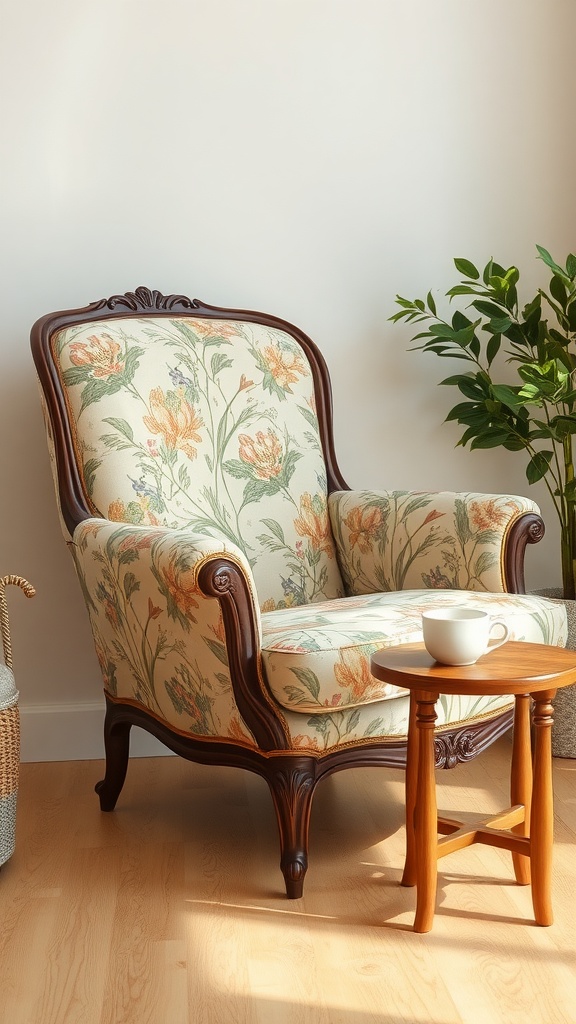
(403, 540)
(161, 638)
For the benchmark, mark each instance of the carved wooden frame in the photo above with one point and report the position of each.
(291, 775)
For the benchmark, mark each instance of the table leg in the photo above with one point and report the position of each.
(542, 824)
(411, 782)
(521, 780)
(426, 814)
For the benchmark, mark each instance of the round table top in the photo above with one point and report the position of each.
(515, 667)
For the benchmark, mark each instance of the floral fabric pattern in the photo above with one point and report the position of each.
(202, 425)
(319, 734)
(199, 437)
(402, 540)
(318, 658)
(160, 642)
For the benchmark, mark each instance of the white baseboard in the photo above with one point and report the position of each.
(74, 732)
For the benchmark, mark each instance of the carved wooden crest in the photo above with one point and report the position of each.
(143, 300)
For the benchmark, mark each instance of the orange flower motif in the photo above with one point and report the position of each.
(313, 522)
(181, 584)
(365, 525)
(305, 742)
(117, 511)
(219, 328)
(175, 419)
(92, 530)
(284, 366)
(434, 514)
(485, 515)
(353, 673)
(137, 512)
(99, 353)
(136, 542)
(111, 613)
(263, 453)
(237, 730)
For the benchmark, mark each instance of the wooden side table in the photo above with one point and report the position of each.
(533, 673)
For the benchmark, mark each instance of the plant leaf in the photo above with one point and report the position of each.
(491, 438)
(467, 268)
(507, 396)
(538, 466)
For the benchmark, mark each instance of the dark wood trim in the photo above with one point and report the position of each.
(455, 746)
(528, 529)
(223, 579)
(292, 776)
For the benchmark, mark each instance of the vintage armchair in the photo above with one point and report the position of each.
(236, 587)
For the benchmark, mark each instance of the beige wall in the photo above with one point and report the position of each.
(306, 157)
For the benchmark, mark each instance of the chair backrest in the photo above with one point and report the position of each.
(178, 414)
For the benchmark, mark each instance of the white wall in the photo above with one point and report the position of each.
(310, 158)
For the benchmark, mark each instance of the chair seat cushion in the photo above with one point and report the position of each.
(317, 657)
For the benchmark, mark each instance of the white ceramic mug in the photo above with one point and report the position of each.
(459, 636)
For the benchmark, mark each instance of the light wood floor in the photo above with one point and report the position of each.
(171, 910)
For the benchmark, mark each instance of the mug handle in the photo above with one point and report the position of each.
(492, 645)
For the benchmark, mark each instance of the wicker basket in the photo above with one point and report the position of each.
(9, 726)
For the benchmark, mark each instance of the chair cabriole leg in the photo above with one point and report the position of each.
(292, 781)
(117, 747)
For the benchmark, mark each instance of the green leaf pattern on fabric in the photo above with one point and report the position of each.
(317, 658)
(159, 641)
(203, 424)
(395, 540)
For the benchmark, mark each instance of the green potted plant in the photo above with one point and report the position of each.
(536, 415)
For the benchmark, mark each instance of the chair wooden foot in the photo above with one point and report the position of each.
(117, 747)
(292, 782)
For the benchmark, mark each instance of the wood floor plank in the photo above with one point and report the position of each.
(172, 908)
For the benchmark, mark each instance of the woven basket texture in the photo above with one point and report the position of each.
(9, 776)
(9, 725)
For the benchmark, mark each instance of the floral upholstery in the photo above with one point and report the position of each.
(321, 734)
(203, 425)
(236, 589)
(160, 641)
(317, 660)
(397, 540)
(199, 437)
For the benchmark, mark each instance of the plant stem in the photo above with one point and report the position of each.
(568, 538)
